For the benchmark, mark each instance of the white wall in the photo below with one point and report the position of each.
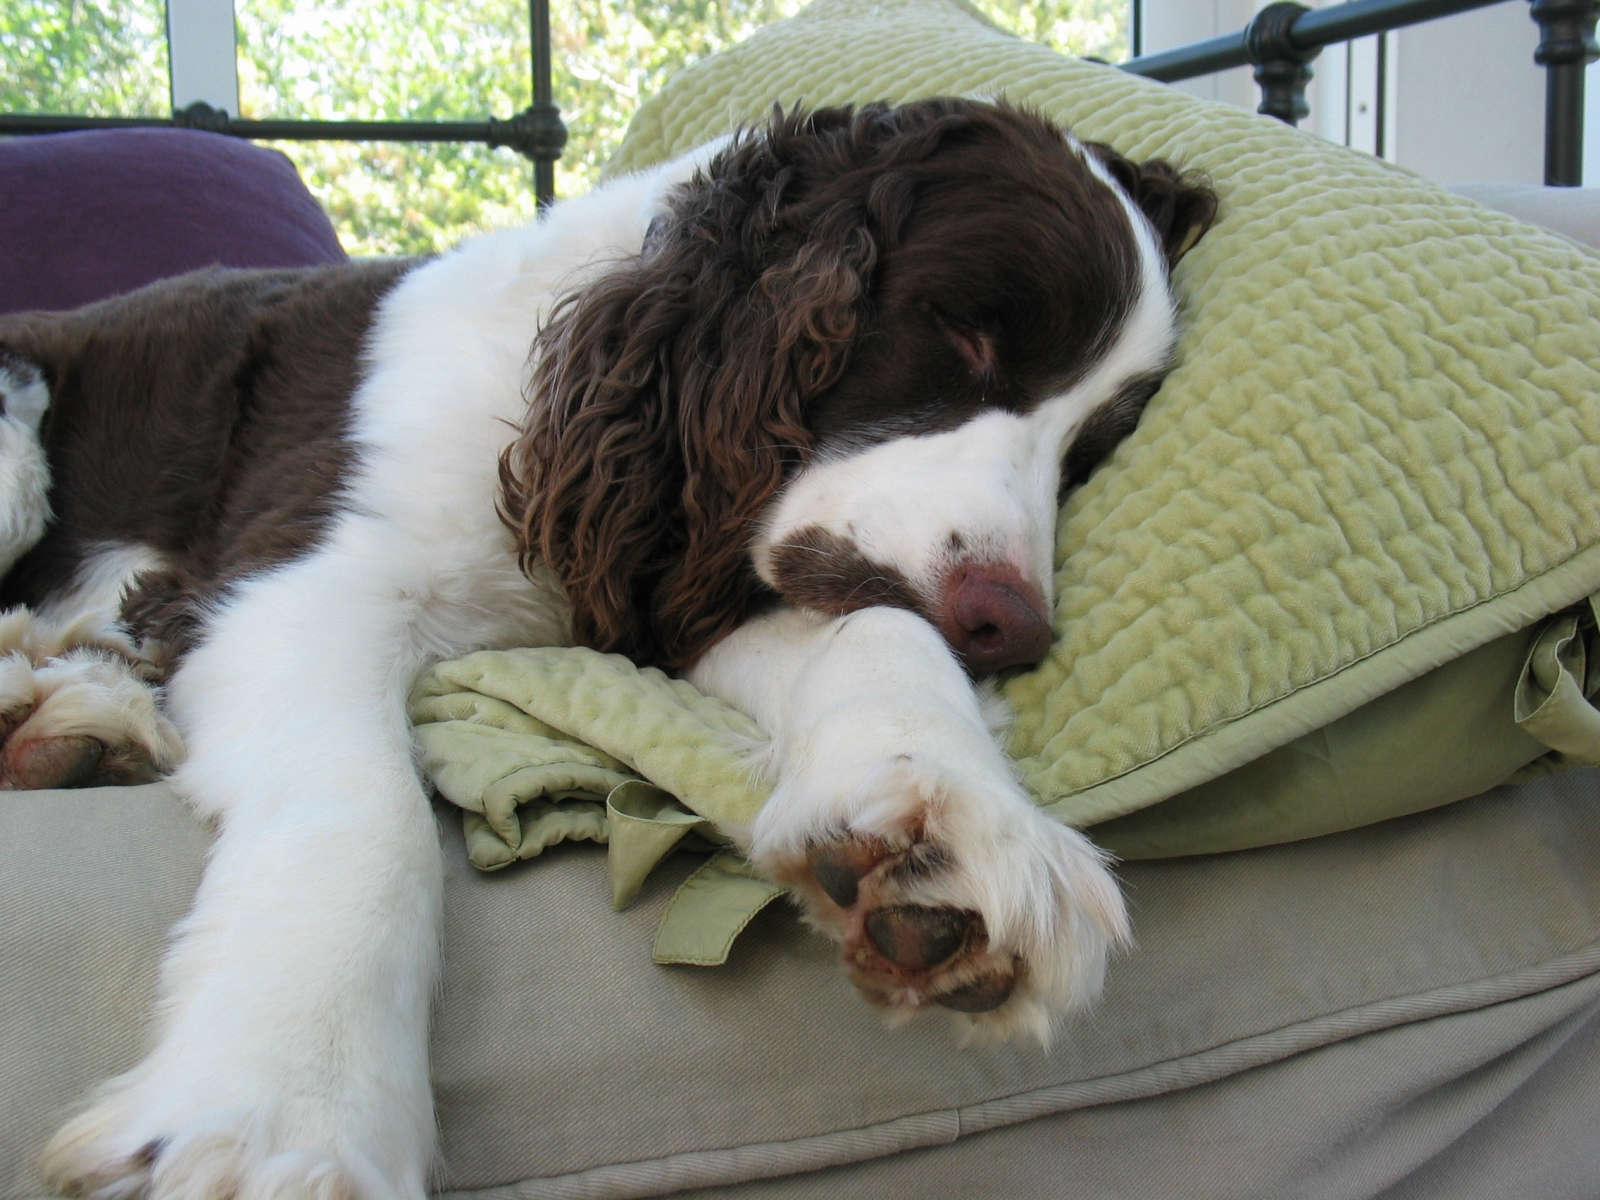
(1169, 23)
(201, 51)
(1591, 126)
(1469, 99)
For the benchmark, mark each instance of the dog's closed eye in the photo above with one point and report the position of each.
(975, 345)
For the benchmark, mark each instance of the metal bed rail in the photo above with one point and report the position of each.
(1285, 37)
(1281, 42)
(537, 132)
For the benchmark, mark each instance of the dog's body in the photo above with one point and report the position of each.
(795, 421)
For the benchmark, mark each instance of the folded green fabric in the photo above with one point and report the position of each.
(541, 746)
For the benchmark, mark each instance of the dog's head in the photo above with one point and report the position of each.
(855, 363)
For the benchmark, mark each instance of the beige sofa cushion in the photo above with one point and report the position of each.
(567, 1065)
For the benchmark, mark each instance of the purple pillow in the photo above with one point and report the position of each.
(84, 216)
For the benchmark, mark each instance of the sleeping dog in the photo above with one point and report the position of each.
(791, 415)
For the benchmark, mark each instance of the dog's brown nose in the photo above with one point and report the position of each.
(994, 619)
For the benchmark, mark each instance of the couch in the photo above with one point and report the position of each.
(1410, 1009)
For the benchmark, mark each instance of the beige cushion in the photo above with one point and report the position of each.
(1571, 211)
(567, 1065)
(1425, 1111)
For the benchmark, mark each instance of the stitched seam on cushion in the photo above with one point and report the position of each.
(1449, 615)
(767, 1160)
(1297, 1037)
(1584, 565)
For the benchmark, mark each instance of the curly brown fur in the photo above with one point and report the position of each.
(672, 398)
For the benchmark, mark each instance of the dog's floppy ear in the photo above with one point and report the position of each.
(668, 401)
(1181, 207)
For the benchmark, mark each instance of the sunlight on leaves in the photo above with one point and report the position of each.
(421, 60)
(97, 58)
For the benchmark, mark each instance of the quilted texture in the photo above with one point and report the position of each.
(540, 746)
(1378, 450)
(501, 727)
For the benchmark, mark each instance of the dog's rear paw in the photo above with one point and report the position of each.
(82, 719)
(69, 761)
(216, 1160)
(947, 894)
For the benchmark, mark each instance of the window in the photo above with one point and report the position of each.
(101, 58)
(425, 60)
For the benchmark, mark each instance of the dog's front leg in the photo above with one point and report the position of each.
(901, 823)
(291, 1049)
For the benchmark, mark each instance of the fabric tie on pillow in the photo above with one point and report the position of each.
(1560, 675)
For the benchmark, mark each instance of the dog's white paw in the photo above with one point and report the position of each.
(104, 1155)
(76, 707)
(946, 886)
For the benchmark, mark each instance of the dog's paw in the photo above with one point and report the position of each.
(82, 719)
(226, 1157)
(947, 888)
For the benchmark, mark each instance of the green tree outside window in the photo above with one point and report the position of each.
(423, 60)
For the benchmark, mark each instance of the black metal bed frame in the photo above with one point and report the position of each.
(1285, 37)
(1280, 42)
(536, 133)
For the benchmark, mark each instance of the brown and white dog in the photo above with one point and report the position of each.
(797, 414)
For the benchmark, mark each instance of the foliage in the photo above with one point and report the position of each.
(425, 60)
(1092, 28)
(103, 58)
(613, 55)
(393, 59)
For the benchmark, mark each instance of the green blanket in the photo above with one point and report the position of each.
(1331, 577)
(552, 745)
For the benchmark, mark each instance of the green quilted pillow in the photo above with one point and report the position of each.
(1316, 587)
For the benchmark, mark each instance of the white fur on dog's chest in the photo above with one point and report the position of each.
(446, 385)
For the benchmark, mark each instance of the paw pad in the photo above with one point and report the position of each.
(985, 993)
(51, 762)
(901, 953)
(913, 935)
(837, 868)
